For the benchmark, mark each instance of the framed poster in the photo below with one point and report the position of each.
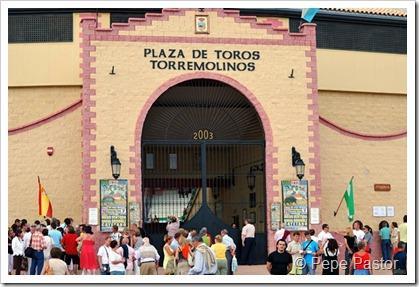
(295, 204)
(113, 203)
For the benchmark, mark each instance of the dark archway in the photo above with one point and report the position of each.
(203, 159)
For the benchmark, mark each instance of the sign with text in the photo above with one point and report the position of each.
(295, 204)
(202, 60)
(113, 203)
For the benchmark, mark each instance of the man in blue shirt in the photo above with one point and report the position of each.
(309, 250)
(204, 259)
(55, 235)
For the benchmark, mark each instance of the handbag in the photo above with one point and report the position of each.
(30, 252)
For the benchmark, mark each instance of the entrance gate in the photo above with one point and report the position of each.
(207, 173)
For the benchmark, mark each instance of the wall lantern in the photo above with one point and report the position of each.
(298, 163)
(251, 176)
(115, 163)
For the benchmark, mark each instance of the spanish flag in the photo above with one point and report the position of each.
(44, 204)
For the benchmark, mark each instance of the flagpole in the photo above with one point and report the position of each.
(340, 203)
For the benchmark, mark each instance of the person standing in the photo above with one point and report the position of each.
(88, 262)
(18, 249)
(324, 235)
(394, 237)
(220, 255)
(48, 244)
(116, 235)
(283, 233)
(37, 242)
(294, 248)
(248, 242)
(349, 248)
(55, 235)
(103, 256)
(149, 258)
(181, 256)
(280, 261)
(169, 257)
(403, 232)
(10, 234)
(204, 259)
(172, 226)
(357, 227)
(231, 249)
(28, 231)
(116, 261)
(69, 243)
(310, 248)
(361, 262)
(330, 261)
(385, 240)
(206, 237)
(399, 260)
(54, 265)
(126, 251)
(368, 238)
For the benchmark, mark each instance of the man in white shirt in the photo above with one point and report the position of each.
(324, 235)
(103, 256)
(231, 249)
(248, 241)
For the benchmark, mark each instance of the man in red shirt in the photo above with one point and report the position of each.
(37, 242)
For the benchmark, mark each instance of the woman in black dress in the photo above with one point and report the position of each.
(330, 258)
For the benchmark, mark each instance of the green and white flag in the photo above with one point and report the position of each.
(350, 201)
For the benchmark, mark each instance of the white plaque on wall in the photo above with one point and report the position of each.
(314, 215)
(390, 210)
(379, 211)
(93, 218)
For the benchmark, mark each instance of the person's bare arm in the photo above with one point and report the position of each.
(269, 266)
(289, 268)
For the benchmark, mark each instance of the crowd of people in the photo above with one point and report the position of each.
(54, 248)
(295, 256)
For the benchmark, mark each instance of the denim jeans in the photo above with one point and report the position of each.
(117, 272)
(37, 263)
(348, 259)
(309, 269)
(386, 249)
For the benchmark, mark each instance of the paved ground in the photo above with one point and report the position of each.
(261, 270)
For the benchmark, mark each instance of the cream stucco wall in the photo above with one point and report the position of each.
(28, 104)
(365, 112)
(370, 162)
(341, 70)
(59, 173)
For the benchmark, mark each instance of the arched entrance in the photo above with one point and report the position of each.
(203, 160)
